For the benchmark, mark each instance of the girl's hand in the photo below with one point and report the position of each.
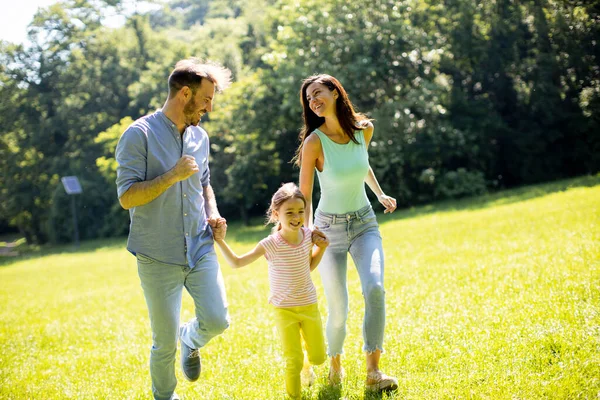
(319, 239)
(388, 202)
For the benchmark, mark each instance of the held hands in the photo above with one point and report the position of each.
(186, 166)
(319, 239)
(219, 227)
(388, 202)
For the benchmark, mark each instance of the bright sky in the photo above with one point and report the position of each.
(15, 15)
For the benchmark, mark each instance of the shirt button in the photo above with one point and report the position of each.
(185, 214)
(184, 195)
(187, 234)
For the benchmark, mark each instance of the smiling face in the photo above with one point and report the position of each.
(199, 103)
(291, 214)
(321, 100)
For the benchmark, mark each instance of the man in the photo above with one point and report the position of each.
(163, 179)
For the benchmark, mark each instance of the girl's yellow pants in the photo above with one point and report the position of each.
(297, 324)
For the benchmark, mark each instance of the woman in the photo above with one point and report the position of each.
(334, 141)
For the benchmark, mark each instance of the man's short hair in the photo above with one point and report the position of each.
(191, 71)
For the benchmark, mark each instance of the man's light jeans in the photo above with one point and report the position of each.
(163, 286)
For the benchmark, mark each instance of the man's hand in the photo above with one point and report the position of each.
(186, 166)
(219, 227)
(319, 239)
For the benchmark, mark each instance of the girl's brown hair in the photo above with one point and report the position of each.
(344, 110)
(284, 193)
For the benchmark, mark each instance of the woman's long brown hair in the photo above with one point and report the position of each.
(344, 111)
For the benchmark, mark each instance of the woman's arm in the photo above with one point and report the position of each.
(371, 180)
(310, 153)
(239, 261)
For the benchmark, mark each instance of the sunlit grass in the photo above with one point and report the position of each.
(495, 297)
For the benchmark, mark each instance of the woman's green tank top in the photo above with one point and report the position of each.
(343, 178)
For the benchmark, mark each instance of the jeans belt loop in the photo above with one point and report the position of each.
(333, 219)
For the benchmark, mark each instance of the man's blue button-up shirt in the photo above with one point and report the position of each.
(172, 228)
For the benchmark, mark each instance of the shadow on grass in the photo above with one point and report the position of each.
(32, 252)
(374, 395)
(495, 199)
(328, 392)
(257, 231)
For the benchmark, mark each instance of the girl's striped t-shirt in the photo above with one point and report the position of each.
(289, 270)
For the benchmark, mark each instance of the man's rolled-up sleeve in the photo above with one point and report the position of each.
(205, 179)
(131, 156)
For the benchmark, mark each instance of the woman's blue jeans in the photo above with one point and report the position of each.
(356, 233)
(163, 286)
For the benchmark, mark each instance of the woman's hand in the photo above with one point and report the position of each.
(388, 202)
(319, 239)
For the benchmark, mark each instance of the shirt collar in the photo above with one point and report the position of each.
(168, 123)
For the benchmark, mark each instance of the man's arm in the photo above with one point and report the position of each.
(141, 193)
(210, 203)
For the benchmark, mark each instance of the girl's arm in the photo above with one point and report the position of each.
(310, 153)
(239, 261)
(316, 256)
(388, 202)
(320, 242)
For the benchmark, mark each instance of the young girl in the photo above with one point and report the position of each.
(291, 258)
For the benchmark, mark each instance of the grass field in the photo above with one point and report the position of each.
(495, 297)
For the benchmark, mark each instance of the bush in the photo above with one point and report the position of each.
(459, 183)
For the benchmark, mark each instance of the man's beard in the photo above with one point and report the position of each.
(190, 121)
(190, 114)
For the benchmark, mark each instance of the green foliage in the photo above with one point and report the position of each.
(245, 168)
(460, 183)
(478, 96)
(93, 202)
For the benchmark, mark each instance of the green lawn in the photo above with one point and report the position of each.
(496, 297)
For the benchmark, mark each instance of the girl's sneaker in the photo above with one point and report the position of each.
(308, 376)
(378, 381)
(335, 378)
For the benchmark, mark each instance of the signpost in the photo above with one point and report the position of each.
(73, 187)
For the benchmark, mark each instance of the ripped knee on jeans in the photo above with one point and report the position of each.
(375, 296)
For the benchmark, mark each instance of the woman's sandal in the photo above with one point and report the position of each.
(378, 381)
